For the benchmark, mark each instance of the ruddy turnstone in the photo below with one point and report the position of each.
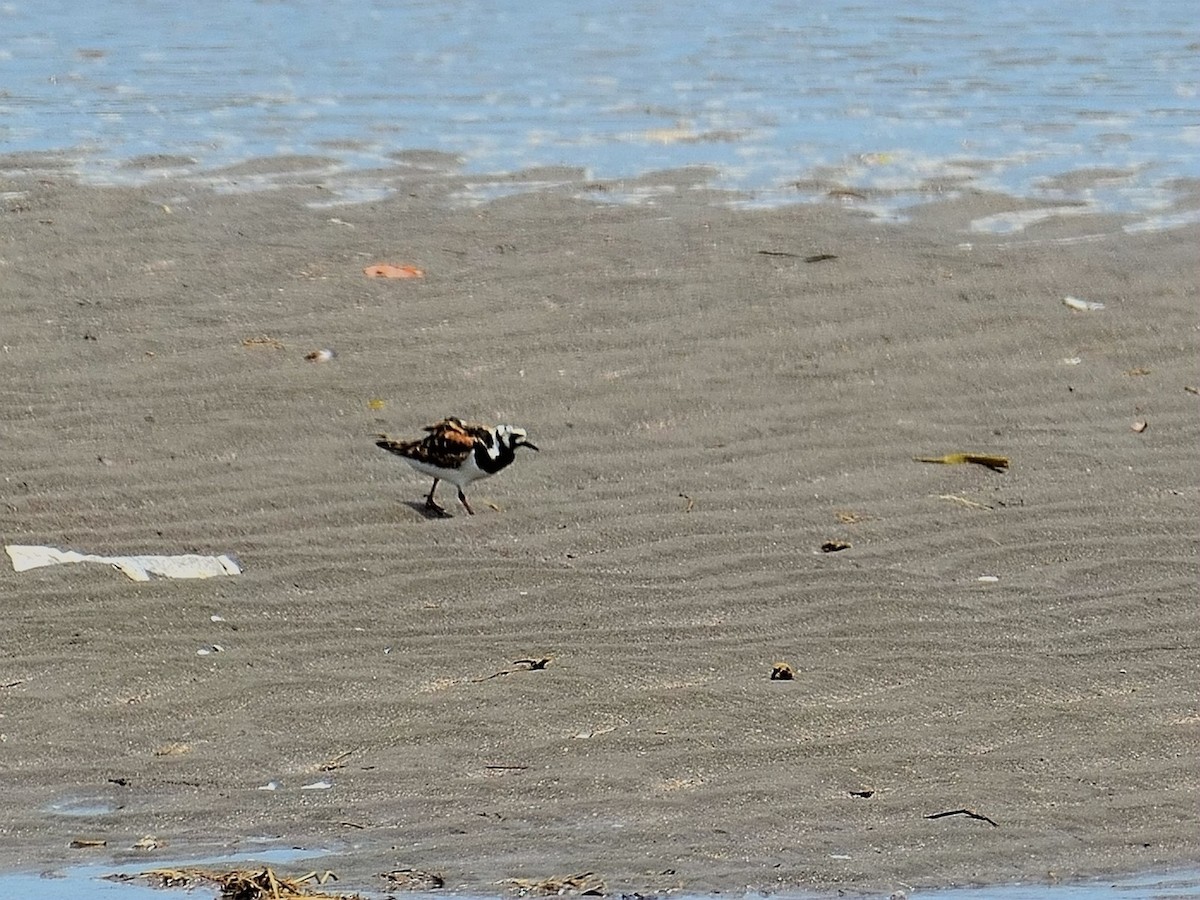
(458, 452)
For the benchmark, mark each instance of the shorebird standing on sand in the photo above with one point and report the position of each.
(458, 452)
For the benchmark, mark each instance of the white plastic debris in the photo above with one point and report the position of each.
(1082, 305)
(137, 568)
(317, 786)
(269, 786)
(988, 579)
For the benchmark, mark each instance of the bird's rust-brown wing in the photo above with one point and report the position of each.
(447, 445)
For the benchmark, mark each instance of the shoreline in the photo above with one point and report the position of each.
(1073, 195)
(715, 408)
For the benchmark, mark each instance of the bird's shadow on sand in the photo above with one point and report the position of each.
(425, 512)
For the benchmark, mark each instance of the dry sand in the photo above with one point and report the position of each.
(709, 415)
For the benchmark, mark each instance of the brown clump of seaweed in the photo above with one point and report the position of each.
(585, 884)
(242, 884)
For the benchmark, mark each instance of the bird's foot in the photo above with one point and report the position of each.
(462, 498)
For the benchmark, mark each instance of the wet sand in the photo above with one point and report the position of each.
(711, 408)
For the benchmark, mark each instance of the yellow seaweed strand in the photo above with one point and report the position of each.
(995, 463)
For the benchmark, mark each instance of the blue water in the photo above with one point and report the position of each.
(89, 883)
(892, 98)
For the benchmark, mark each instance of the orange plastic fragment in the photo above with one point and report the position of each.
(387, 270)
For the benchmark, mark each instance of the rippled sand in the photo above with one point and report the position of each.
(711, 409)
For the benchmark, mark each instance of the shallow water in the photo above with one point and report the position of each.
(904, 101)
(90, 883)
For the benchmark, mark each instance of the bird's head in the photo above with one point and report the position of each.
(512, 437)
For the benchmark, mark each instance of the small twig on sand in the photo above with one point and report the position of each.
(970, 813)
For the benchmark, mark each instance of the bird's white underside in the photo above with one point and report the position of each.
(460, 477)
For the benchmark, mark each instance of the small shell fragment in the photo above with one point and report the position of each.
(317, 786)
(269, 786)
(1140, 425)
(387, 270)
(990, 579)
(319, 356)
(1082, 305)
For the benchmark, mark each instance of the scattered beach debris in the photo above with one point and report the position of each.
(781, 671)
(247, 885)
(969, 813)
(86, 843)
(1071, 360)
(1137, 372)
(585, 884)
(502, 768)
(995, 463)
(322, 785)
(834, 546)
(376, 404)
(588, 734)
(136, 568)
(336, 762)
(387, 270)
(970, 504)
(209, 650)
(1140, 425)
(814, 258)
(691, 504)
(149, 842)
(262, 342)
(519, 665)
(863, 793)
(1191, 389)
(319, 356)
(988, 579)
(847, 517)
(1082, 305)
(413, 880)
(845, 194)
(175, 748)
(269, 786)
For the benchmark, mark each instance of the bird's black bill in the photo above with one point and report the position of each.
(527, 444)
